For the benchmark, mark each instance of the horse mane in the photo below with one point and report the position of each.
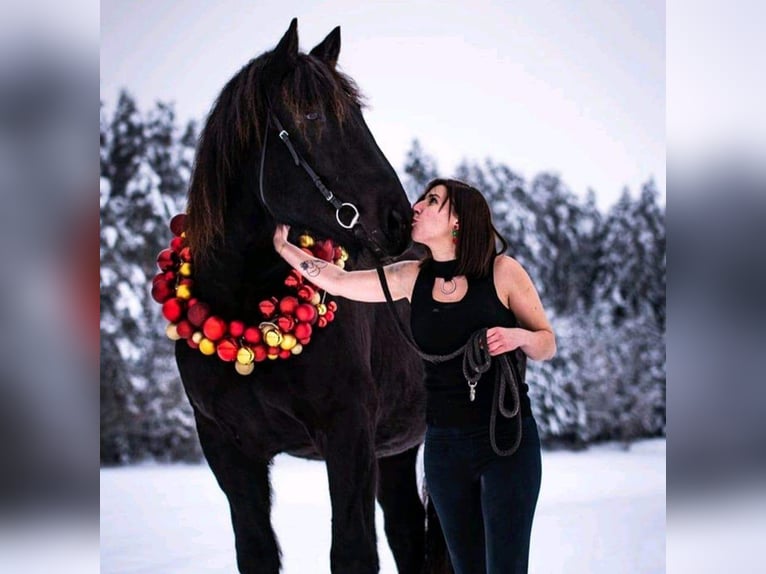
(233, 130)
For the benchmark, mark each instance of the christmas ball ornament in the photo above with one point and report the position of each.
(172, 332)
(173, 309)
(302, 331)
(165, 259)
(197, 336)
(260, 353)
(330, 316)
(271, 335)
(162, 290)
(322, 322)
(267, 308)
(245, 355)
(306, 241)
(183, 292)
(185, 254)
(237, 329)
(337, 253)
(244, 369)
(288, 304)
(185, 269)
(315, 298)
(288, 341)
(176, 244)
(306, 313)
(332, 306)
(321, 308)
(178, 224)
(214, 328)
(340, 263)
(297, 349)
(294, 279)
(198, 313)
(253, 335)
(285, 324)
(227, 350)
(206, 346)
(343, 254)
(305, 293)
(192, 344)
(273, 353)
(284, 354)
(185, 329)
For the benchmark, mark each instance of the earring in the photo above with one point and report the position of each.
(454, 234)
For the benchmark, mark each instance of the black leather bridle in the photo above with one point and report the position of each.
(359, 229)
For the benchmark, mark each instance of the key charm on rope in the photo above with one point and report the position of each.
(472, 390)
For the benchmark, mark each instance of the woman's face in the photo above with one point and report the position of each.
(432, 220)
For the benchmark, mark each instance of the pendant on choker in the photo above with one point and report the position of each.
(450, 290)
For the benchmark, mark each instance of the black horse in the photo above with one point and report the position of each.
(354, 397)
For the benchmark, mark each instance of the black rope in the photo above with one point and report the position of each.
(476, 362)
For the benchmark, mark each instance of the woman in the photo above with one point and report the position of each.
(485, 502)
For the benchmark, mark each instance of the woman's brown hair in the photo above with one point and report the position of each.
(476, 248)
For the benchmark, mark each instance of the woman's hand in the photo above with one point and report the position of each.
(503, 339)
(280, 236)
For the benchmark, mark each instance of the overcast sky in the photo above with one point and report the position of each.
(577, 88)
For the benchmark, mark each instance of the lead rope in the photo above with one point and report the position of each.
(476, 362)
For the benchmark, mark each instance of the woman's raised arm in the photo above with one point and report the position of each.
(356, 285)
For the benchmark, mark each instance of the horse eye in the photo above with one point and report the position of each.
(312, 116)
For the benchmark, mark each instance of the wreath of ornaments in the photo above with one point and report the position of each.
(287, 323)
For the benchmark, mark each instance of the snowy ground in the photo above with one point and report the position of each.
(600, 511)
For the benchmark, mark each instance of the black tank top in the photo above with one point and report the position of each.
(440, 328)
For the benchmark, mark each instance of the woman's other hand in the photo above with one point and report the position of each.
(503, 339)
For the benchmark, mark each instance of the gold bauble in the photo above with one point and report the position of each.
(288, 341)
(272, 337)
(183, 292)
(172, 332)
(343, 254)
(206, 346)
(315, 298)
(185, 269)
(197, 337)
(244, 369)
(321, 308)
(341, 263)
(245, 356)
(296, 350)
(306, 241)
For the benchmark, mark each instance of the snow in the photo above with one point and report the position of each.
(601, 510)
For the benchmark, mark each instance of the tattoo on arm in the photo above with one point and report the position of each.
(314, 267)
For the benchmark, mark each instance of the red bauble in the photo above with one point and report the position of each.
(330, 316)
(162, 290)
(302, 331)
(253, 335)
(173, 309)
(306, 313)
(322, 322)
(305, 292)
(185, 329)
(337, 253)
(284, 354)
(165, 260)
(192, 344)
(294, 279)
(227, 350)
(214, 328)
(286, 324)
(178, 224)
(259, 352)
(288, 304)
(185, 254)
(176, 244)
(170, 276)
(307, 251)
(332, 306)
(267, 308)
(305, 341)
(236, 328)
(198, 313)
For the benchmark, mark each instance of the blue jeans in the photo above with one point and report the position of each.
(485, 502)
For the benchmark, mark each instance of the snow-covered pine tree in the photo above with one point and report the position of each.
(419, 168)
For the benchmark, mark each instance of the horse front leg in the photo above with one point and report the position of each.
(245, 482)
(403, 511)
(351, 471)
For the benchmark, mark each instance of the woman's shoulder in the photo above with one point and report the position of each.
(506, 266)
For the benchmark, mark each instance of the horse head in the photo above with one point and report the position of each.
(287, 133)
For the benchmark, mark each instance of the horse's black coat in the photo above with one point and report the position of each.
(354, 397)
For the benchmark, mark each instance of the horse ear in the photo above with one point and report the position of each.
(285, 55)
(329, 48)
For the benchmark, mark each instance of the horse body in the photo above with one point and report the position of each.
(354, 397)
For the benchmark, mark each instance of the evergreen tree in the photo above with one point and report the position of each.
(420, 169)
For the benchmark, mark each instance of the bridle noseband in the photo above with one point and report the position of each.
(358, 227)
